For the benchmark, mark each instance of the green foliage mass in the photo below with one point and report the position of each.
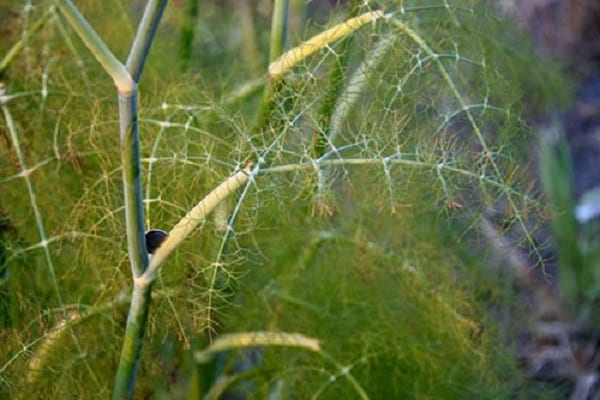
(358, 248)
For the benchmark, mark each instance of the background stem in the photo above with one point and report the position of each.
(279, 24)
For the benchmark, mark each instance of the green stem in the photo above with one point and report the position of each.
(134, 339)
(279, 24)
(132, 182)
(126, 78)
(144, 36)
(345, 372)
(134, 211)
(136, 247)
(37, 212)
(96, 45)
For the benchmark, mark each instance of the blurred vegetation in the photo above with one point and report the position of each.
(375, 256)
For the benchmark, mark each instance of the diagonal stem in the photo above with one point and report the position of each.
(96, 45)
(144, 36)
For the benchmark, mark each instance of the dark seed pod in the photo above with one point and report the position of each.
(154, 238)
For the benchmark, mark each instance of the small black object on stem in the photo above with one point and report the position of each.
(154, 238)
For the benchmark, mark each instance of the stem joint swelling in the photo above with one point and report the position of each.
(126, 87)
(143, 281)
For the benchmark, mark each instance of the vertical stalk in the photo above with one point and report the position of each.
(132, 182)
(136, 247)
(126, 77)
(134, 208)
(134, 339)
(279, 24)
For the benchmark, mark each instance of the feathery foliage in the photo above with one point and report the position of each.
(346, 232)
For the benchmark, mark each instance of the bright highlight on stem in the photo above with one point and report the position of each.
(253, 339)
(194, 217)
(292, 57)
(276, 339)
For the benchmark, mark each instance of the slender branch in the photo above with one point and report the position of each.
(17, 47)
(277, 339)
(233, 341)
(26, 175)
(189, 222)
(144, 37)
(96, 45)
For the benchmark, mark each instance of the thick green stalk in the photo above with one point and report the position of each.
(132, 182)
(134, 208)
(134, 339)
(126, 78)
(136, 247)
